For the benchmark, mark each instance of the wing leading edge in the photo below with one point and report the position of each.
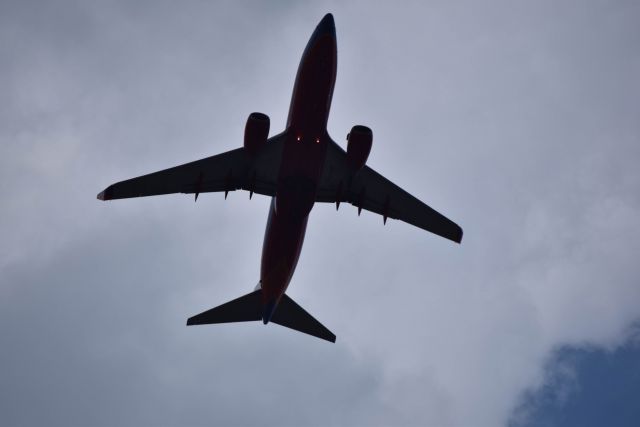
(226, 172)
(367, 189)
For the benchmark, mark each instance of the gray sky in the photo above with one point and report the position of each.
(518, 120)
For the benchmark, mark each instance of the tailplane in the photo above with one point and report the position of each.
(244, 309)
(291, 315)
(249, 308)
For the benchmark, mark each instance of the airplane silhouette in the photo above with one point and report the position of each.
(296, 168)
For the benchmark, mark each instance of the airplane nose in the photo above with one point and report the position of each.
(327, 25)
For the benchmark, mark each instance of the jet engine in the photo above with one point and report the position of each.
(256, 132)
(359, 142)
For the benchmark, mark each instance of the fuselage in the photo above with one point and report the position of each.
(306, 141)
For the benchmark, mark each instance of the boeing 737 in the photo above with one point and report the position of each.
(296, 168)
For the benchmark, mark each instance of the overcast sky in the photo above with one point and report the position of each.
(518, 120)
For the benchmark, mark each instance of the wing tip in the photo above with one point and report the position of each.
(458, 237)
(105, 194)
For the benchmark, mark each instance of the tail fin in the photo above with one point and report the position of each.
(249, 308)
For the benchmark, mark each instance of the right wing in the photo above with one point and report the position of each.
(226, 172)
(367, 189)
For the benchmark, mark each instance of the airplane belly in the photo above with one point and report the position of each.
(283, 241)
(301, 165)
(313, 89)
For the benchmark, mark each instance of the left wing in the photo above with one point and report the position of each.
(226, 172)
(367, 189)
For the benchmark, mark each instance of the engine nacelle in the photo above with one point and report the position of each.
(359, 142)
(256, 132)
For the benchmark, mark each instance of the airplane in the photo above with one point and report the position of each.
(296, 168)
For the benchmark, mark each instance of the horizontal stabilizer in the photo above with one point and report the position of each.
(244, 309)
(249, 308)
(291, 315)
